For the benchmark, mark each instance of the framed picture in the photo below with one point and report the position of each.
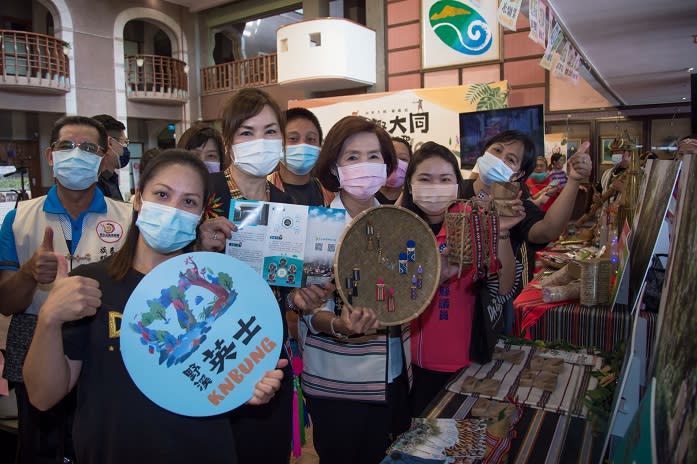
(455, 33)
(572, 147)
(605, 152)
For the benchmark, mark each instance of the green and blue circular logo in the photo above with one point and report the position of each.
(460, 27)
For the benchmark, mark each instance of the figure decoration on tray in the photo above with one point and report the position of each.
(388, 260)
(199, 331)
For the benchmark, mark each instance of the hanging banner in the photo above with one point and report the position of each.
(543, 24)
(534, 22)
(555, 41)
(508, 13)
(455, 33)
(418, 115)
(560, 60)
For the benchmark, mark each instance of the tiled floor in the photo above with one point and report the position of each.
(308, 456)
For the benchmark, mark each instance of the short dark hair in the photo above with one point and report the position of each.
(148, 156)
(113, 126)
(123, 259)
(245, 104)
(527, 164)
(404, 142)
(79, 121)
(331, 148)
(197, 135)
(427, 151)
(554, 158)
(304, 113)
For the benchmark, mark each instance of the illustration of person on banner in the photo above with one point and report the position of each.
(77, 341)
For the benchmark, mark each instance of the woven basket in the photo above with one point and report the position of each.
(458, 231)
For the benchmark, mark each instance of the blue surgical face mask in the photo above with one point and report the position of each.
(301, 158)
(616, 158)
(166, 229)
(492, 169)
(76, 169)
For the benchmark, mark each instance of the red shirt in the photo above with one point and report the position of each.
(440, 336)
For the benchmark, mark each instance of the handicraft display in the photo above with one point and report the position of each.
(199, 331)
(472, 229)
(388, 260)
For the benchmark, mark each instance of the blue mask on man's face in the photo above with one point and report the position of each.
(125, 157)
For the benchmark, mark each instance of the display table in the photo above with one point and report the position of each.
(530, 419)
(568, 321)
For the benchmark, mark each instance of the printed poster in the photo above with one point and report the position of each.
(417, 115)
(288, 245)
(455, 32)
(198, 332)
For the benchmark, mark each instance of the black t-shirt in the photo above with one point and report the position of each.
(114, 421)
(309, 194)
(380, 197)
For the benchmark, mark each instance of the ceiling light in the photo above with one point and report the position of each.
(690, 69)
(684, 98)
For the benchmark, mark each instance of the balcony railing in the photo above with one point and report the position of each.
(156, 79)
(33, 62)
(253, 72)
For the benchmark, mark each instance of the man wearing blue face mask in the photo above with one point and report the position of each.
(74, 220)
(303, 139)
(117, 156)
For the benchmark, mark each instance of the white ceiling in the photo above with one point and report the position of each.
(641, 49)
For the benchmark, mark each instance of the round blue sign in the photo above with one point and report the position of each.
(199, 331)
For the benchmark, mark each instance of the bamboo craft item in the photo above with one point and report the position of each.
(471, 230)
(595, 281)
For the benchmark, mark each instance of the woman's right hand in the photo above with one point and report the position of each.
(71, 298)
(357, 320)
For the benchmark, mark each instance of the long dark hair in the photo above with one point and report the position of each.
(123, 259)
(331, 148)
(427, 151)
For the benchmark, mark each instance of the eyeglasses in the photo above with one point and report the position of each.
(89, 147)
(124, 144)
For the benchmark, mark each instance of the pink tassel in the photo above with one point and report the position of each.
(296, 426)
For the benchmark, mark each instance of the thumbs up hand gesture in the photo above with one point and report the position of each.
(71, 298)
(42, 265)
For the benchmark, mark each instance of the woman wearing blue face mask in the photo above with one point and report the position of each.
(351, 426)
(253, 128)
(206, 143)
(77, 341)
(303, 140)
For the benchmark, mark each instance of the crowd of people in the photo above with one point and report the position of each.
(362, 382)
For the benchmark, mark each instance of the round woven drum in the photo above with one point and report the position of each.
(367, 264)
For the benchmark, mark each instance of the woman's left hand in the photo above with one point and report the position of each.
(266, 388)
(213, 233)
(506, 222)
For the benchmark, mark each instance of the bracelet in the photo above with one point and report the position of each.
(505, 236)
(336, 334)
(289, 301)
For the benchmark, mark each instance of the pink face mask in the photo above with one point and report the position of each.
(362, 180)
(396, 179)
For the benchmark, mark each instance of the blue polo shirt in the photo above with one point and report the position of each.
(52, 204)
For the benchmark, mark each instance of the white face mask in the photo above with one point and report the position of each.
(492, 169)
(362, 180)
(258, 157)
(433, 199)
